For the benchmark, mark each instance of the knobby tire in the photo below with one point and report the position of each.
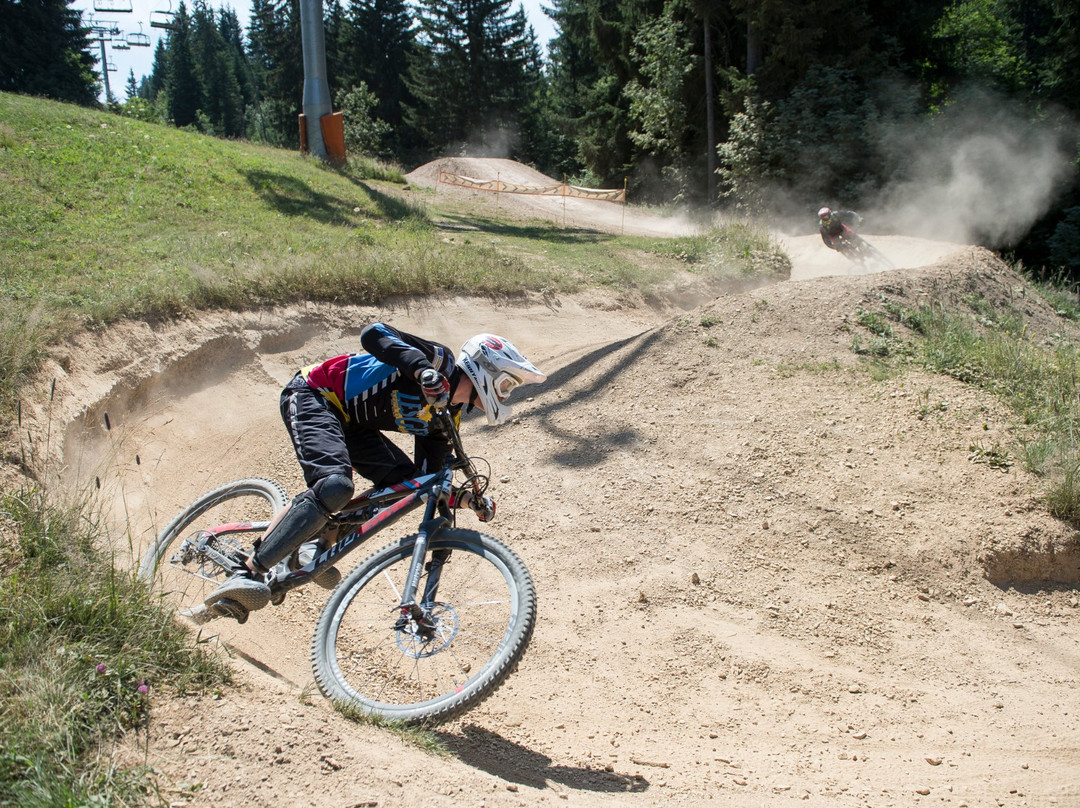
(249, 499)
(485, 612)
(866, 254)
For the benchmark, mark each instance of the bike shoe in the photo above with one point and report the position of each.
(201, 614)
(327, 578)
(242, 589)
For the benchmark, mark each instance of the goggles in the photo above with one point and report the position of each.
(504, 385)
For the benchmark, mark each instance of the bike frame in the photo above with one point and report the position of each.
(389, 505)
(848, 243)
(403, 498)
(846, 236)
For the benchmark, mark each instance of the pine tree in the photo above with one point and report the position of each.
(469, 74)
(571, 68)
(159, 72)
(792, 38)
(375, 46)
(45, 50)
(131, 87)
(591, 66)
(334, 30)
(277, 60)
(182, 81)
(222, 103)
(233, 35)
(540, 142)
(1059, 55)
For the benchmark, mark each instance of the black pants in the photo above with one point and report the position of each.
(326, 445)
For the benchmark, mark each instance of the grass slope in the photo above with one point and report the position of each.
(104, 217)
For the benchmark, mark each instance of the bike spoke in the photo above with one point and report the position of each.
(399, 664)
(393, 586)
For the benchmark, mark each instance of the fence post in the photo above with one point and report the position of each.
(563, 189)
(622, 228)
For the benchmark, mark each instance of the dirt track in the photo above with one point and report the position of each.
(765, 577)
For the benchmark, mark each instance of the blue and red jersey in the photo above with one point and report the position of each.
(378, 389)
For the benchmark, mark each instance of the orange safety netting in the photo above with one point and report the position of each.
(560, 189)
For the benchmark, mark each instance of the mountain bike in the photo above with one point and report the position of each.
(860, 251)
(419, 632)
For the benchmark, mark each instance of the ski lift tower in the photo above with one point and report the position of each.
(102, 32)
(317, 107)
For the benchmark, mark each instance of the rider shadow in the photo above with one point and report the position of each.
(590, 449)
(490, 752)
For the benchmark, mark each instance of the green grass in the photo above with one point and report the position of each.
(730, 251)
(82, 649)
(1061, 293)
(107, 217)
(990, 347)
(569, 260)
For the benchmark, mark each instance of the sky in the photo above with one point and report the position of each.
(141, 60)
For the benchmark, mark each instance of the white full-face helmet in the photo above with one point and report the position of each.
(495, 367)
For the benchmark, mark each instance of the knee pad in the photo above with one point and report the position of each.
(333, 492)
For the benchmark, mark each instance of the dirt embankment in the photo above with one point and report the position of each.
(765, 576)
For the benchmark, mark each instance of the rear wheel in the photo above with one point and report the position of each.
(191, 557)
(367, 656)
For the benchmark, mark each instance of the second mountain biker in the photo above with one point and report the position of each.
(831, 225)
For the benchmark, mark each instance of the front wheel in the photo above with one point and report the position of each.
(867, 255)
(367, 655)
(191, 556)
(877, 258)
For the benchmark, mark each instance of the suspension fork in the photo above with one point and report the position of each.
(429, 528)
(435, 566)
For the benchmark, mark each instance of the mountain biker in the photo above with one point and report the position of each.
(831, 225)
(336, 413)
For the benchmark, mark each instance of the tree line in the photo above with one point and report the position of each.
(770, 107)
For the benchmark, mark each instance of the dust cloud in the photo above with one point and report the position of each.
(488, 140)
(979, 173)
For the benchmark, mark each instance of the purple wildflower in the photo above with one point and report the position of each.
(101, 667)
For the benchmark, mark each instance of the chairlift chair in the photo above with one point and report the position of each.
(110, 65)
(139, 40)
(102, 33)
(163, 18)
(121, 44)
(123, 6)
